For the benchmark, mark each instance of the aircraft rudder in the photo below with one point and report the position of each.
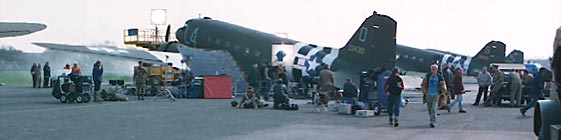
(374, 40)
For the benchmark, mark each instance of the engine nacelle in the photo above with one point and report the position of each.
(548, 112)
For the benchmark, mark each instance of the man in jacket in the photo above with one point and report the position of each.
(458, 91)
(46, 75)
(253, 76)
(97, 74)
(394, 87)
(484, 81)
(433, 86)
(515, 89)
(139, 77)
(498, 79)
(536, 91)
(33, 75)
(38, 75)
(448, 78)
(350, 92)
(326, 80)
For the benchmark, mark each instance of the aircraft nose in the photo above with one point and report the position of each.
(180, 35)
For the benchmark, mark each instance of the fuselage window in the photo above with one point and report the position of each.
(258, 54)
(421, 59)
(247, 50)
(363, 34)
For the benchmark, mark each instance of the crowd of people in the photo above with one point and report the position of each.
(44, 75)
(442, 88)
(36, 75)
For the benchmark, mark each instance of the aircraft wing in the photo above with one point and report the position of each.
(133, 54)
(12, 29)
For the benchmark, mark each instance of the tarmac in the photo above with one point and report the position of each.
(27, 113)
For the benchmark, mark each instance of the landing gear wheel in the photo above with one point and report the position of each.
(87, 98)
(79, 99)
(377, 109)
(63, 99)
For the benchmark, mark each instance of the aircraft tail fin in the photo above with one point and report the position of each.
(371, 46)
(492, 52)
(516, 56)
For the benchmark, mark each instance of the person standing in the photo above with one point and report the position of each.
(253, 77)
(536, 91)
(498, 79)
(484, 81)
(448, 79)
(97, 74)
(458, 91)
(38, 75)
(33, 75)
(46, 75)
(394, 87)
(326, 79)
(433, 86)
(139, 77)
(527, 83)
(515, 89)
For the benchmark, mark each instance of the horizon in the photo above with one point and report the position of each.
(526, 26)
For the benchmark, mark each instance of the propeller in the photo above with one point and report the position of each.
(168, 30)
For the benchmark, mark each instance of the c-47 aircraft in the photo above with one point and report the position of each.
(371, 46)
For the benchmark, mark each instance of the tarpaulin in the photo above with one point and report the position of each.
(217, 87)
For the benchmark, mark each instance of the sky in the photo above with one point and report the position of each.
(459, 26)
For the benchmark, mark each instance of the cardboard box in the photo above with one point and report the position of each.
(344, 108)
(364, 113)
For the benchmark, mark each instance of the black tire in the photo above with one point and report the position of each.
(63, 98)
(56, 92)
(79, 99)
(87, 98)
(377, 109)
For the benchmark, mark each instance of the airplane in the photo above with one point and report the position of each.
(13, 29)
(371, 46)
(516, 57)
(249, 46)
(419, 60)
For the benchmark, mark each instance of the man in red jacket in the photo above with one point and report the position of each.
(458, 90)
